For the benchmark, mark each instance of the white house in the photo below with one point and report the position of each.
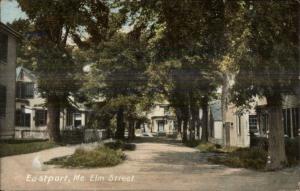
(239, 124)
(215, 122)
(31, 112)
(162, 119)
(8, 43)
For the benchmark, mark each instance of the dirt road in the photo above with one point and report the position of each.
(155, 165)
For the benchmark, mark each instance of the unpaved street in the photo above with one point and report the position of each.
(155, 165)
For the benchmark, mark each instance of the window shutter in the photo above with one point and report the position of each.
(2, 100)
(18, 90)
(18, 117)
(3, 47)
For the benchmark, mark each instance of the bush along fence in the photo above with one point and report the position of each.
(83, 135)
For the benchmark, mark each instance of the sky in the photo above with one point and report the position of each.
(10, 11)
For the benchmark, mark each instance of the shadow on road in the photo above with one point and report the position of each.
(164, 140)
(183, 162)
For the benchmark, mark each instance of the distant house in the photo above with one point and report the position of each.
(215, 122)
(162, 120)
(8, 43)
(291, 118)
(31, 112)
(241, 124)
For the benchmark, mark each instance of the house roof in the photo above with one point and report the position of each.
(216, 110)
(9, 30)
(28, 72)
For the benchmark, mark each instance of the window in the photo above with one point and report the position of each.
(252, 122)
(239, 124)
(161, 125)
(40, 118)
(25, 90)
(3, 47)
(69, 118)
(166, 110)
(22, 118)
(291, 121)
(77, 115)
(296, 121)
(264, 124)
(2, 101)
(288, 120)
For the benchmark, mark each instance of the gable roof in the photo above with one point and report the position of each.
(28, 72)
(10, 31)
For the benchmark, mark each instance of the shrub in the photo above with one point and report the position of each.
(193, 143)
(292, 151)
(254, 158)
(16, 147)
(129, 147)
(173, 135)
(207, 147)
(261, 142)
(99, 157)
(120, 145)
(74, 136)
(115, 145)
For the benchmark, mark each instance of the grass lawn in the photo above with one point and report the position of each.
(101, 156)
(251, 158)
(16, 147)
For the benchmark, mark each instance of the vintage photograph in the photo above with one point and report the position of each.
(152, 95)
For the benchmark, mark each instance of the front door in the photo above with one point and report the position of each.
(161, 125)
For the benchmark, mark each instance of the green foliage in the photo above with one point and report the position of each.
(16, 147)
(51, 26)
(119, 79)
(99, 157)
(185, 40)
(74, 136)
(207, 147)
(61, 19)
(120, 145)
(271, 33)
(254, 158)
(121, 69)
(192, 143)
(173, 135)
(292, 149)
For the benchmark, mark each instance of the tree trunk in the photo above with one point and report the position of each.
(137, 126)
(192, 130)
(179, 121)
(131, 131)
(198, 124)
(195, 117)
(276, 149)
(179, 124)
(107, 126)
(53, 119)
(298, 89)
(224, 105)
(204, 134)
(225, 94)
(120, 124)
(184, 133)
